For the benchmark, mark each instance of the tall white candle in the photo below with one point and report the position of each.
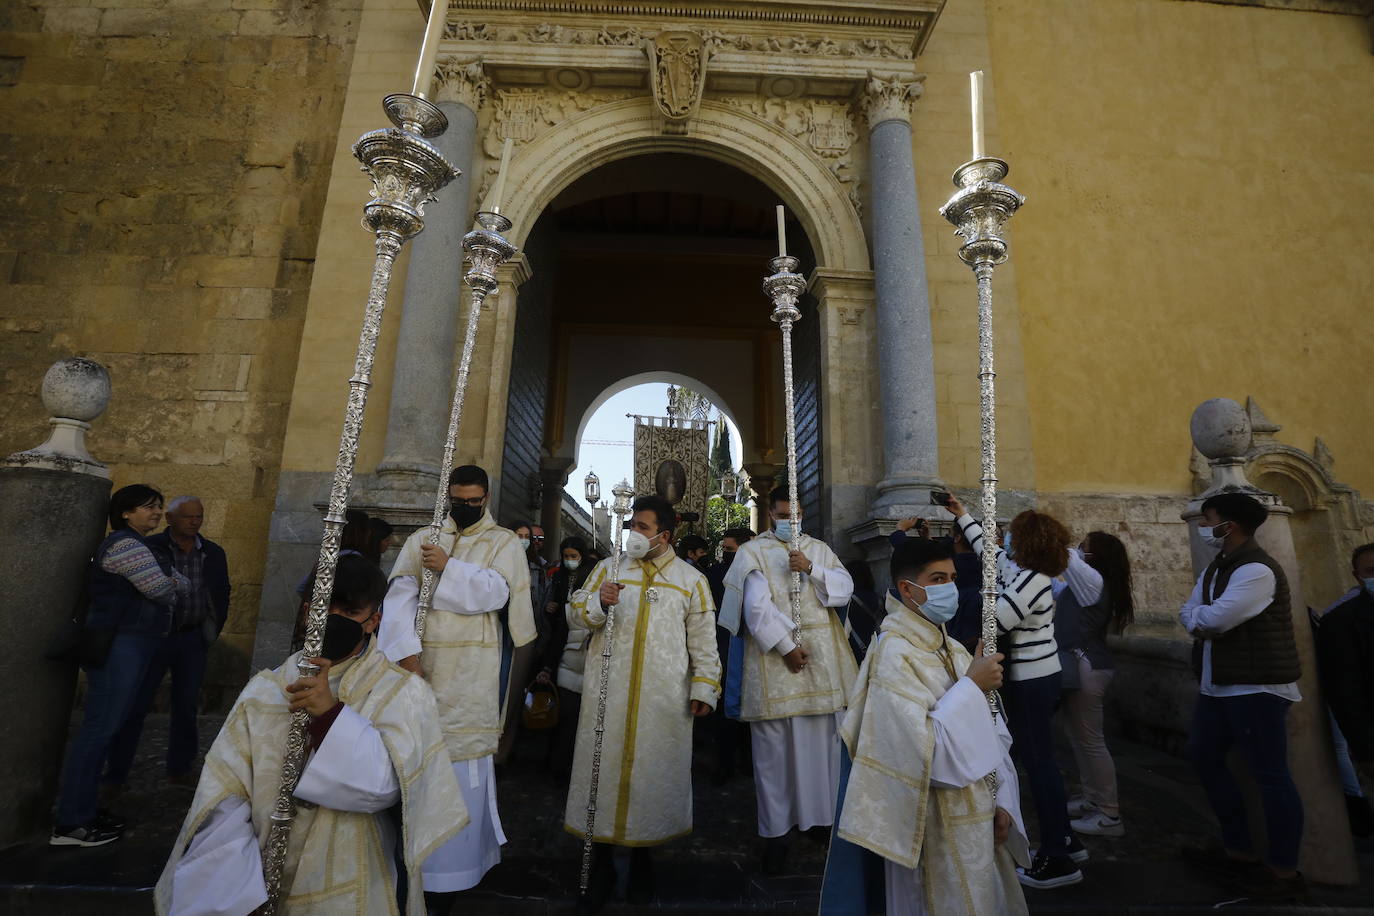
(975, 80)
(500, 187)
(429, 48)
(782, 233)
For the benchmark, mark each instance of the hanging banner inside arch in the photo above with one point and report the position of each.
(672, 460)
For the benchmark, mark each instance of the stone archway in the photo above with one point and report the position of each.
(658, 376)
(618, 130)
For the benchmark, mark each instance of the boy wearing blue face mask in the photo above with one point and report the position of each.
(1345, 643)
(923, 745)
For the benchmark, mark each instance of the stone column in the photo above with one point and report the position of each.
(906, 375)
(422, 382)
(1221, 432)
(53, 504)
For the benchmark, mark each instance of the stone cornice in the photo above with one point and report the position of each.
(885, 14)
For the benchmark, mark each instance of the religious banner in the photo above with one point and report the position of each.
(672, 460)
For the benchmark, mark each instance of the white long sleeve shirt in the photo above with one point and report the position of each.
(221, 872)
(770, 627)
(1085, 581)
(1249, 591)
(463, 588)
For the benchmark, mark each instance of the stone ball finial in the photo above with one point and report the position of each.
(1221, 429)
(76, 388)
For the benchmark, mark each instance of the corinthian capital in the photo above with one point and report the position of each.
(889, 98)
(461, 81)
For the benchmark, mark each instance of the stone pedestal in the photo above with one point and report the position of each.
(1221, 432)
(53, 505)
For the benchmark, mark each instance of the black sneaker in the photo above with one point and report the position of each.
(84, 835)
(1077, 851)
(1050, 871)
(108, 820)
(1264, 883)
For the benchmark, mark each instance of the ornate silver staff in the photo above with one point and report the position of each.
(487, 249)
(785, 286)
(623, 493)
(406, 170)
(979, 211)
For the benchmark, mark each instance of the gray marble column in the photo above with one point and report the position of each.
(422, 381)
(906, 374)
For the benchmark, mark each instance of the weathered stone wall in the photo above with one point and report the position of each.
(164, 164)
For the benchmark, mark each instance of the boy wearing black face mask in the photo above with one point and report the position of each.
(373, 728)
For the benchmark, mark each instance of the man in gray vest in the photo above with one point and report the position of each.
(1239, 613)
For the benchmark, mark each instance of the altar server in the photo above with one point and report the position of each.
(792, 695)
(664, 671)
(929, 787)
(374, 740)
(482, 569)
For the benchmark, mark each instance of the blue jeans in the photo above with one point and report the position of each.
(1256, 722)
(1030, 709)
(110, 693)
(184, 655)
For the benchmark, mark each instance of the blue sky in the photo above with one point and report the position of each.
(614, 462)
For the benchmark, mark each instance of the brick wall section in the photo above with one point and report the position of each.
(165, 164)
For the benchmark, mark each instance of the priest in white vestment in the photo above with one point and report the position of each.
(792, 695)
(482, 569)
(923, 755)
(374, 740)
(664, 670)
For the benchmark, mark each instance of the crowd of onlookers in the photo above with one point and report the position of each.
(158, 597)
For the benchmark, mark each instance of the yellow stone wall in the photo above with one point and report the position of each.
(1199, 224)
(163, 170)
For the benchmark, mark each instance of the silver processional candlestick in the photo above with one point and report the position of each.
(785, 286)
(406, 170)
(620, 507)
(487, 249)
(979, 211)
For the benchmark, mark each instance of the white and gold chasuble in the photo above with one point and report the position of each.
(461, 655)
(663, 655)
(335, 860)
(769, 690)
(893, 808)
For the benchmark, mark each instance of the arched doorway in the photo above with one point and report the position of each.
(650, 267)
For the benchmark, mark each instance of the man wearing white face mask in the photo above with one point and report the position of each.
(922, 744)
(1239, 613)
(664, 670)
(792, 695)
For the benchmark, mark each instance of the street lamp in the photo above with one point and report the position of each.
(593, 485)
(729, 485)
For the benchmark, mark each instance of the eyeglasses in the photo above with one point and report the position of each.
(475, 502)
(536, 537)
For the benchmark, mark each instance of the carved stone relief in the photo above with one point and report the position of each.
(461, 81)
(677, 72)
(826, 127)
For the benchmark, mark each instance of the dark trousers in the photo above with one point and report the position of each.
(183, 654)
(111, 691)
(1030, 709)
(1256, 723)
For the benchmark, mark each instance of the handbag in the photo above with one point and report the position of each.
(541, 707)
(88, 647)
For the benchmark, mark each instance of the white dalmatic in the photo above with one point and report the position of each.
(461, 658)
(793, 716)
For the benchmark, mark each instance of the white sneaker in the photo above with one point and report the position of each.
(1079, 806)
(1096, 823)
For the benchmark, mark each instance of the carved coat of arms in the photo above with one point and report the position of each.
(519, 114)
(677, 68)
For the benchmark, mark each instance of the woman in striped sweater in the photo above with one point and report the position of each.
(1036, 551)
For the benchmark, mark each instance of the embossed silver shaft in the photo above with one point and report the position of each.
(785, 286)
(487, 249)
(406, 170)
(623, 493)
(979, 211)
